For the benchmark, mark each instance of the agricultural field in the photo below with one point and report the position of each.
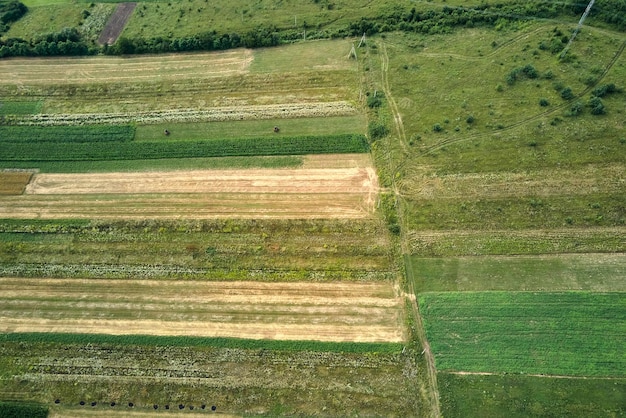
(514, 332)
(426, 220)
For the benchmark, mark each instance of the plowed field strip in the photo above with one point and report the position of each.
(302, 311)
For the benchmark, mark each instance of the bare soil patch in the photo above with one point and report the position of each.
(285, 311)
(117, 23)
(14, 182)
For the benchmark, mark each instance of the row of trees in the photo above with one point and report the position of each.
(70, 42)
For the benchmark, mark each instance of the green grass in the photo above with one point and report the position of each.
(49, 16)
(66, 134)
(503, 242)
(216, 342)
(530, 396)
(157, 165)
(572, 334)
(597, 272)
(337, 125)
(592, 210)
(17, 107)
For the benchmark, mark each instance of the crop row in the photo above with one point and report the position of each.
(572, 333)
(217, 342)
(68, 134)
(297, 110)
(52, 151)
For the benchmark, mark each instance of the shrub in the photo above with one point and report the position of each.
(567, 93)
(596, 105)
(543, 102)
(470, 119)
(604, 89)
(377, 130)
(576, 109)
(437, 128)
(374, 101)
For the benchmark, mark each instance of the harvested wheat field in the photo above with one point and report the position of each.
(347, 189)
(287, 311)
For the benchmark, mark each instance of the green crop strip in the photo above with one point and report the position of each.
(216, 342)
(56, 151)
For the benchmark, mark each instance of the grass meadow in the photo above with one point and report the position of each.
(530, 396)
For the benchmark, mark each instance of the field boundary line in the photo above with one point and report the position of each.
(421, 335)
(552, 376)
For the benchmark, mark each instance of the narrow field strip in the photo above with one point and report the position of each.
(546, 182)
(214, 114)
(118, 69)
(346, 180)
(189, 206)
(200, 194)
(295, 311)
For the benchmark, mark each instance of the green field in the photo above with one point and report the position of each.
(571, 334)
(530, 396)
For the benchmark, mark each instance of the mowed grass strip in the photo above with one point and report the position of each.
(21, 135)
(454, 243)
(523, 396)
(596, 272)
(14, 182)
(287, 311)
(309, 126)
(572, 334)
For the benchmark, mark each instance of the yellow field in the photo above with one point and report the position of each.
(287, 311)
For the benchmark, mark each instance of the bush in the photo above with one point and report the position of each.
(604, 89)
(470, 119)
(576, 109)
(544, 102)
(596, 105)
(377, 130)
(374, 101)
(437, 128)
(567, 93)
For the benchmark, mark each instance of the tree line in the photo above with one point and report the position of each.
(69, 41)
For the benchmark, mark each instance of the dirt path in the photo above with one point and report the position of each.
(116, 23)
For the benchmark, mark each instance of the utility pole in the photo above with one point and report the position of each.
(580, 24)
